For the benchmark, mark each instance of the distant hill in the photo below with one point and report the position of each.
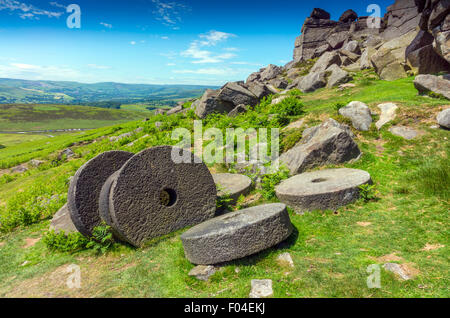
(45, 92)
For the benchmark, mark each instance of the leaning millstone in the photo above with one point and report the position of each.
(359, 114)
(261, 288)
(156, 193)
(203, 272)
(232, 185)
(62, 222)
(387, 114)
(236, 235)
(397, 270)
(404, 132)
(444, 118)
(322, 190)
(85, 187)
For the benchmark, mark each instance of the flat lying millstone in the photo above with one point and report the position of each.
(232, 185)
(85, 187)
(152, 195)
(404, 132)
(236, 235)
(62, 222)
(322, 190)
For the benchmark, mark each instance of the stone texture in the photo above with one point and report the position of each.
(325, 61)
(85, 187)
(36, 163)
(258, 89)
(431, 83)
(232, 185)
(236, 235)
(443, 118)
(338, 76)
(353, 46)
(239, 109)
(67, 153)
(387, 114)
(270, 72)
(202, 272)
(285, 259)
(359, 114)
(153, 195)
(426, 61)
(319, 13)
(348, 16)
(337, 40)
(404, 132)
(402, 17)
(397, 270)
(312, 82)
(210, 103)
(261, 288)
(236, 94)
(175, 110)
(329, 143)
(322, 190)
(62, 221)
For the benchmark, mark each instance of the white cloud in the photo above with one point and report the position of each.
(99, 67)
(28, 11)
(205, 71)
(171, 64)
(106, 25)
(25, 66)
(58, 5)
(38, 72)
(210, 39)
(133, 42)
(165, 37)
(169, 13)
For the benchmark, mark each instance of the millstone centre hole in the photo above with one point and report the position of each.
(319, 180)
(167, 197)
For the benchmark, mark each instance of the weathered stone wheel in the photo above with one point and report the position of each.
(152, 195)
(85, 187)
(232, 185)
(236, 235)
(322, 190)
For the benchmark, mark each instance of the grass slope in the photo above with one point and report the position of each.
(407, 224)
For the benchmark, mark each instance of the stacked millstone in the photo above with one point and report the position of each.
(141, 196)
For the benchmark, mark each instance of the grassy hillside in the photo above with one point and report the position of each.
(18, 117)
(406, 223)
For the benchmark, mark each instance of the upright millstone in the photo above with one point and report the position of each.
(85, 187)
(322, 190)
(152, 195)
(236, 235)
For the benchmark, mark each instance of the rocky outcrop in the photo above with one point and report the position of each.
(329, 143)
(210, 103)
(430, 83)
(402, 17)
(338, 76)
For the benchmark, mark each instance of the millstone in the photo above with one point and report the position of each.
(236, 235)
(85, 187)
(152, 195)
(322, 190)
(232, 185)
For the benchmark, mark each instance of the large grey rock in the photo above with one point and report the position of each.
(397, 270)
(329, 143)
(402, 17)
(404, 132)
(337, 40)
(359, 114)
(237, 94)
(348, 16)
(36, 163)
(338, 76)
(259, 90)
(431, 83)
(322, 190)
(239, 109)
(175, 110)
(67, 153)
(85, 187)
(270, 72)
(236, 235)
(365, 61)
(319, 13)
(261, 288)
(426, 61)
(387, 114)
(232, 185)
(153, 195)
(210, 103)
(312, 82)
(325, 61)
(353, 46)
(443, 118)
(62, 221)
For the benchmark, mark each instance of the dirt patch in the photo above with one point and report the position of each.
(29, 242)
(428, 247)
(410, 270)
(388, 258)
(2, 244)
(364, 224)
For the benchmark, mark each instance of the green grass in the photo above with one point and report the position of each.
(331, 250)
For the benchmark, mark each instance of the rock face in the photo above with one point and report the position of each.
(62, 221)
(312, 82)
(232, 185)
(338, 76)
(152, 195)
(329, 143)
(387, 114)
(348, 16)
(85, 187)
(322, 190)
(444, 118)
(402, 17)
(236, 235)
(431, 83)
(359, 113)
(210, 103)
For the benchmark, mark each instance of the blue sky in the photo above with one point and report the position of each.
(154, 41)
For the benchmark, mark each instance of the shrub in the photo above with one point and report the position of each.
(290, 139)
(71, 242)
(368, 192)
(270, 181)
(102, 239)
(291, 106)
